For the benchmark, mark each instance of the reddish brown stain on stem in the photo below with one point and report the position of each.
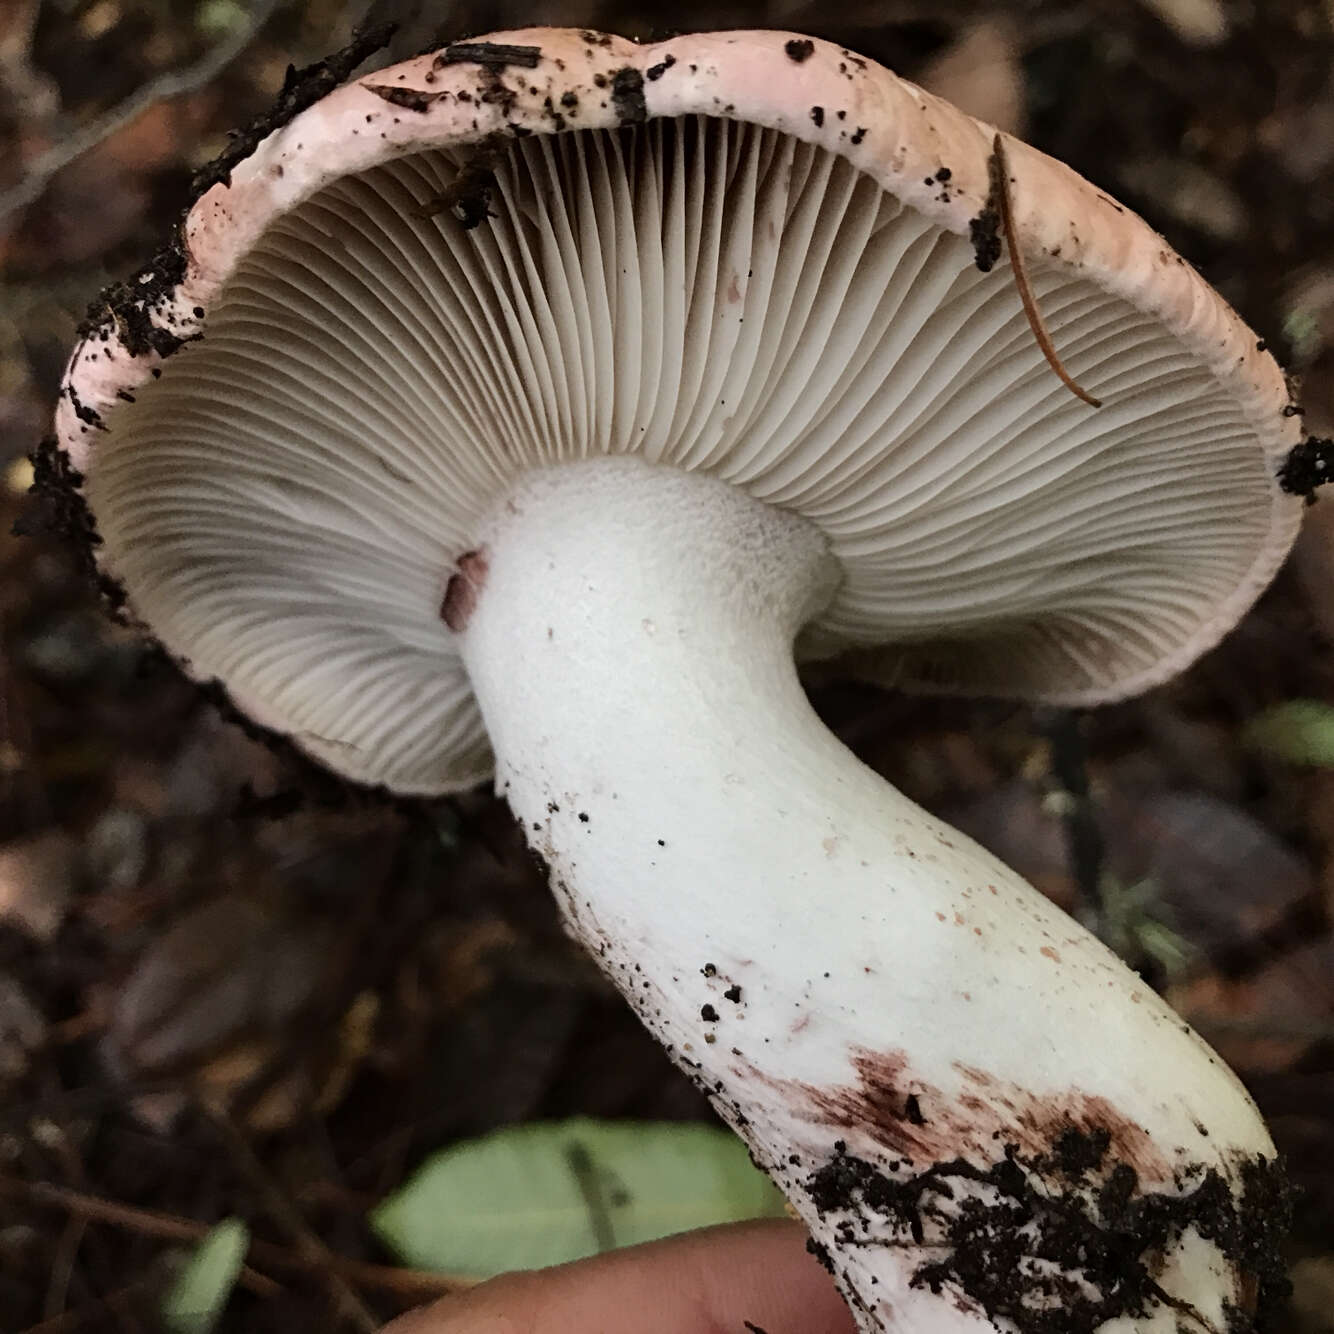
(463, 590)
(978, 1123)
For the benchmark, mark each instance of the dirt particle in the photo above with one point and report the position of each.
(87, 414)
(129, 306)
(627, 96)
(57, 507)
(984, 230)
(1307, 466)
(821, 1254)
(984, 233)
(1060, 1242)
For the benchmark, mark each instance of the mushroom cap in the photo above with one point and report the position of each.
(750, 253)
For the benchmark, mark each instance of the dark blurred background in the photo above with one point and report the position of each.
(225, 990)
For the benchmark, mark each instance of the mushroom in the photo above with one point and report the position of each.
(536, 406)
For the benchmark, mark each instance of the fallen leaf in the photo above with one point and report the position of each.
(542, 1194)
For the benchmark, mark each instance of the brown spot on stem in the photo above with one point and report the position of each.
(463, 590)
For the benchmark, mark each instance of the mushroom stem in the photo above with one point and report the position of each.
(980, 1113)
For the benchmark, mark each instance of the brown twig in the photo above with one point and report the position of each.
(84, 1208)
(62, 1267)
(411, 1284)
(77, 1236)
(998, 168)
(174, 83)
(289, 1218)
(82, 1316)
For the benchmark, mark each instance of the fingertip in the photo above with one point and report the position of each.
(696, 1283)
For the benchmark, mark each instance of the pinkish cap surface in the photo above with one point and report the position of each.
(750, 253)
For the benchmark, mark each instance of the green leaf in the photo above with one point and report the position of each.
(196, 1300)
(1300, 731)
(542, 1194)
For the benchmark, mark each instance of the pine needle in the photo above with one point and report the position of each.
(999, 169)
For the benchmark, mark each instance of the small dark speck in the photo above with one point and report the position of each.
(750, 1325)
(708, 1014)
(199, 312)
(859, 135)
(733, 993)
(662, 842)
(799, 49)
(583, 817)
(1262, 346)
(912, 1109)
(710, 970)
(943, 175)
(655, 72)
(817, 115)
